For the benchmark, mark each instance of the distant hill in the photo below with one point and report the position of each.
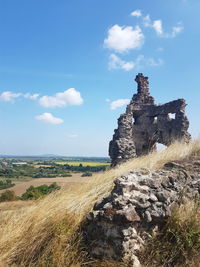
(53, 156)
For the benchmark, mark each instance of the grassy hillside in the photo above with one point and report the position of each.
(47, 232)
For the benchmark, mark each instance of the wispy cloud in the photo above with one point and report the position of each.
(124, 38)
(140, 62)
(31, 96)
(176, 30)
(116, 62)
(136, 13)
(69, 97)
(157, 25)
(49, 118)
(9, 96)
(119, 103)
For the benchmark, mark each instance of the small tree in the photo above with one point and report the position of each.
(8, 195)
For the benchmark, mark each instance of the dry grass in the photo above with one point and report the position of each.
(47, 232)
(178, 243)
(21, 186)
(15, 205)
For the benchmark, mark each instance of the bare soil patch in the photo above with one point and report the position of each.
(21, 186)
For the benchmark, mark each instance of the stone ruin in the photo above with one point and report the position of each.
(144, 124)
(120, 225)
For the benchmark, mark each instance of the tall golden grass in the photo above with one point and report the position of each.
(46, 233)
(178, 243)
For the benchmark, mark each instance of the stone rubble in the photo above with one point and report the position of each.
(139, 204)
(144, 124)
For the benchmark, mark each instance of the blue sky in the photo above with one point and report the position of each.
(64, 64)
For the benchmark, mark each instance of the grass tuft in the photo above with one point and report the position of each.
(178, 243)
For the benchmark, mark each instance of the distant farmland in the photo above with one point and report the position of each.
(21, 186)
(83, 163)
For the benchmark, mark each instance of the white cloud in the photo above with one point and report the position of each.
(124, 38)
(67, 98)
(142, 62)
(8, 96)
(116, 62)
(136, 13)
(107, 100)
(176, 30)
(128, 66)
(147, 21)
(119, 103)
(157, 25)
(49, 118)
(31, 96)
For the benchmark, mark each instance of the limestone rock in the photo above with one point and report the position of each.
(139, 203)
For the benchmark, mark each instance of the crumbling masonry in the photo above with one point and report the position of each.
(144, 124)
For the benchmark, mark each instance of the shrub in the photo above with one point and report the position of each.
(6, 184)
(39, 191)
(8, 195)
(67, 175)
(86, 174)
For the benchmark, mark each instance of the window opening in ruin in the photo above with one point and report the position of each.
(172, 116)
(160, 147)
(134, 120)
(155, 120)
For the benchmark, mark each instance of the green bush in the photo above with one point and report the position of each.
(6, 184)
(39, 191)
(8, 195)
(86, 174)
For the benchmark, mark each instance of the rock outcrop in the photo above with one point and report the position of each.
(139, 204)
(144, 124)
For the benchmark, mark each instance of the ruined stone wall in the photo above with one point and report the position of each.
(122, 147)
(141, 201)
(144, 124)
